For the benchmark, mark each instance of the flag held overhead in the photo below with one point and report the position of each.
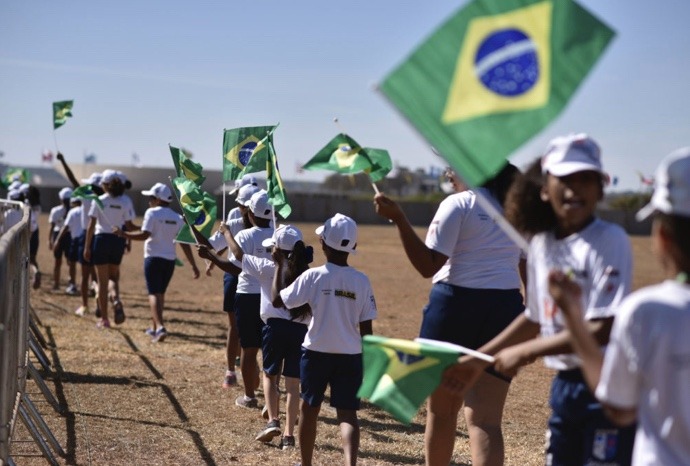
(494, 75)
(245, 150)
(61, 111)
(342, 154)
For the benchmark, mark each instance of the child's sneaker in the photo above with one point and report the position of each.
(72, 290)
(81, 310)
(120, 313)
(287, 442)
(103, 323)
(93, 289)
(230, 379)
(150, 331)
(245, 402)
(272, 430)
(37, 280)
(160, 335)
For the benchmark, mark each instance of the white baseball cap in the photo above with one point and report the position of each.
(246, 192)
(109, 176)
(94, 178)
(14, 185)
(259, 205)
(64, 194)
(14, 194)
(284, 237)
(123, 178)
(671, 186)
(244, 181)
(340, 233)
(570, 154)
(159, 191)
(24, 188)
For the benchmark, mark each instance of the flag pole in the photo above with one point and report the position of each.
(55, 139)
(483, 202)
(223, 217)
(342, 130)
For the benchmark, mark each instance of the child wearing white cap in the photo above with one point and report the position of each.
(555, 202)
(248, 294)
(56, 218)
(343, 308)
(159, 230)
(283, 333)
(645, 372)
(104, 247)
(218, 242)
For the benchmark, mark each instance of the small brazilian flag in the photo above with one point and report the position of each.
(198, 207)
(185, 167)
(493, 75)
(342, 154)
(244, 150)
(400, 374)
(15, 174)
(61, 111)
(277, 196)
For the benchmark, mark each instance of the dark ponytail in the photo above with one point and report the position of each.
(499, 185)
(524, 207)
(298, 261)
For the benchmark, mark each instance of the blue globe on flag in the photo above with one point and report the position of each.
(246, 151)
(507, 63)
(201, 218)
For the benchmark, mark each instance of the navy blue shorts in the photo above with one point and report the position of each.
(107, 249)
(81, 243)
(343, 372)
(579, 433)
(282, 346)
(158, 272)
(33, 243)
(73, 251)
(249, 323)
(469, 317)
(229, 289)
(62, 248)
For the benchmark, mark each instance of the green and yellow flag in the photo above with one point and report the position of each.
(277, 196)
(245, 150)
(494, 75)
(342, 154)
(61, 111)
(400, 374)
(185, 167)
(198, 208)
(15, 174)
(86, 192)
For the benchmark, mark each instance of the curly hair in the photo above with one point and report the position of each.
(298, 261)
(524, 207)
(500, 184)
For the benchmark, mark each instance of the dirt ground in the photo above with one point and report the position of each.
(129, 401)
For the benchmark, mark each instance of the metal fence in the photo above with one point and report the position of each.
(14, 316)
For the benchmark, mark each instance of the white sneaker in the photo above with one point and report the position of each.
(81, 310)
(72, 290)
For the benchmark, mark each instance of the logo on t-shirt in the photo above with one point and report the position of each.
(171, 222)
(115, 206)
(345, 294)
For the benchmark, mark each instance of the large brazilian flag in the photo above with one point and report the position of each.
(493, 75)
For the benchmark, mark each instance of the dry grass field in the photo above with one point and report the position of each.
(129, 401)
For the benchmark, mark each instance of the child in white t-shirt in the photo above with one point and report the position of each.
(645, 372)
(60, 248)
(159, 229)
(343, 307)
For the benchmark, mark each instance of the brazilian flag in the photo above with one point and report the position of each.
(245, 150)
(400, 374)
(342, 154)
(381, 163)
(494, 75)
(277, 196)
(15, 174)
(86, 192)
(185, 167)
(198, 208)
(61, 111)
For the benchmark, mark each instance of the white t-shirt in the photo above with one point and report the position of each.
(57, 217)
(116, 212)
(599, 258)
(249, 240)
(263, 270)
(233, 214)
(33, 216)
(85, 209)
(217, 240)
(163, 224)
(73, 222)
(480, 255)
(647, 366)
(340, 298)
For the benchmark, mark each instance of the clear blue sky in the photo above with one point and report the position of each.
(147, 73)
